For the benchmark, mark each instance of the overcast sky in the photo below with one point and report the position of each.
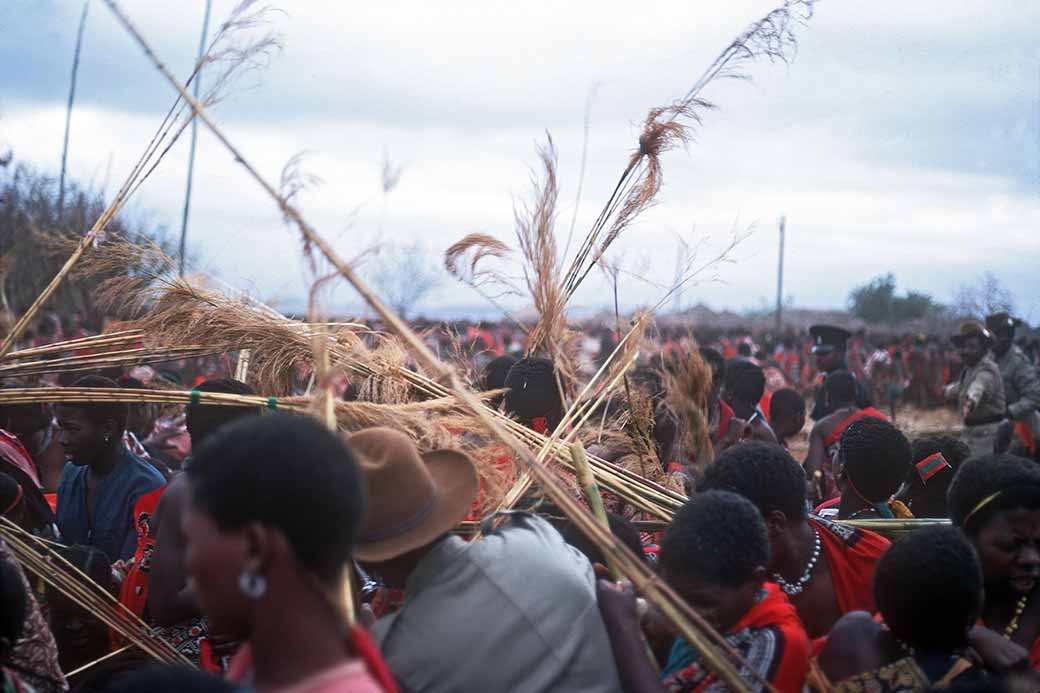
(903, 138)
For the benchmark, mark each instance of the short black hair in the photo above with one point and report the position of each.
(621, 528)
(876, 458)
(745, 380)
(716, 536)
(289, 472)
(928, 586)
(100, 412)
(10, 489)
(717, 361)
(15, 605)
(533, 391)
(929, 499)
(202, 420)
(840, 386)
(1017, 478)
(744, 349)
(24, 419)
(784, 403)
(496, 371)
(764, 474)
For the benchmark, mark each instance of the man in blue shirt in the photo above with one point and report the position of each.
(102, 480)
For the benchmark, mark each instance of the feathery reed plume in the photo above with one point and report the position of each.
(464, 260)
(235, 58)
(536, 239)
(667, 127)
(717, 652)
(687, 381)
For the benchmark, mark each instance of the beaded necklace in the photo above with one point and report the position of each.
(796, 588)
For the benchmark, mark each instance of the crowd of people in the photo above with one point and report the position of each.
(275, 555)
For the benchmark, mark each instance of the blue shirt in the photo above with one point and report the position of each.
(112, 528)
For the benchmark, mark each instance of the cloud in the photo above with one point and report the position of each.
(901, 139)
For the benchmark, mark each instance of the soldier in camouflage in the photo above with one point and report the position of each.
(980, 389)
(1021, 380)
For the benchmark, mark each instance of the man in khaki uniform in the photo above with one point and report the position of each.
(1021, 381)
(980, 390)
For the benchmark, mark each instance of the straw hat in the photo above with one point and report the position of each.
(972, 328)
(412, 498)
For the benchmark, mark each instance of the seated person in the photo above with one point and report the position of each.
(936, 461)
(31, 652)
(80, 636)
(714, 554)
(513, 611)
(875, 459)
(103, 480)
(928, 588)
(786, 414)
(825, 568)
(995, 500)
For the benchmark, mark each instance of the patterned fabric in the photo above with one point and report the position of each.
(902, 676)
(34, 657)
(851, 555)
(11, 683)
(771, 640)
(134, 592)
(186, 637)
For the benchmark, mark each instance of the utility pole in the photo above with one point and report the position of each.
(68, 108)
(780, 278)
(194, 136)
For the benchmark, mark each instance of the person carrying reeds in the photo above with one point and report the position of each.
(513, 611)
(715, 553)
(103, 480)
(824, 568)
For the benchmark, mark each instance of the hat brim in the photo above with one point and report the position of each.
(824, 349)
(958, 339)
(455, 479)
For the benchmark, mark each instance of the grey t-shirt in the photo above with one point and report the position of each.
(513, 611)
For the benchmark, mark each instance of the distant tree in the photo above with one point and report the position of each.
(986, 295)
(877, 302)
(37, 236)
(403, 274)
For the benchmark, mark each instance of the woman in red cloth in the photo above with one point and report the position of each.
(714, 553)
(825, 569)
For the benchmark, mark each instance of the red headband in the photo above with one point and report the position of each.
(931, 465)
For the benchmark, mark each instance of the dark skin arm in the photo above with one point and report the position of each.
(817, 452)
(617, 605)
(170, 600)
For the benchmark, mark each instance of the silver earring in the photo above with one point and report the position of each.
(252, 585)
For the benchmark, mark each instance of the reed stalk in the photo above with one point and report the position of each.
(697, 631)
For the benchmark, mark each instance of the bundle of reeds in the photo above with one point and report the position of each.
(40, 559)
(232, 55)
(716, 651)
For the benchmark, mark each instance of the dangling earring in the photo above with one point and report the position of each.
(252, 585)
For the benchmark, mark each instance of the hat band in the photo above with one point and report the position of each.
(410, 523)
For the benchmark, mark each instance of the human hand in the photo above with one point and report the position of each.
(997, 652)
(617, 603)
